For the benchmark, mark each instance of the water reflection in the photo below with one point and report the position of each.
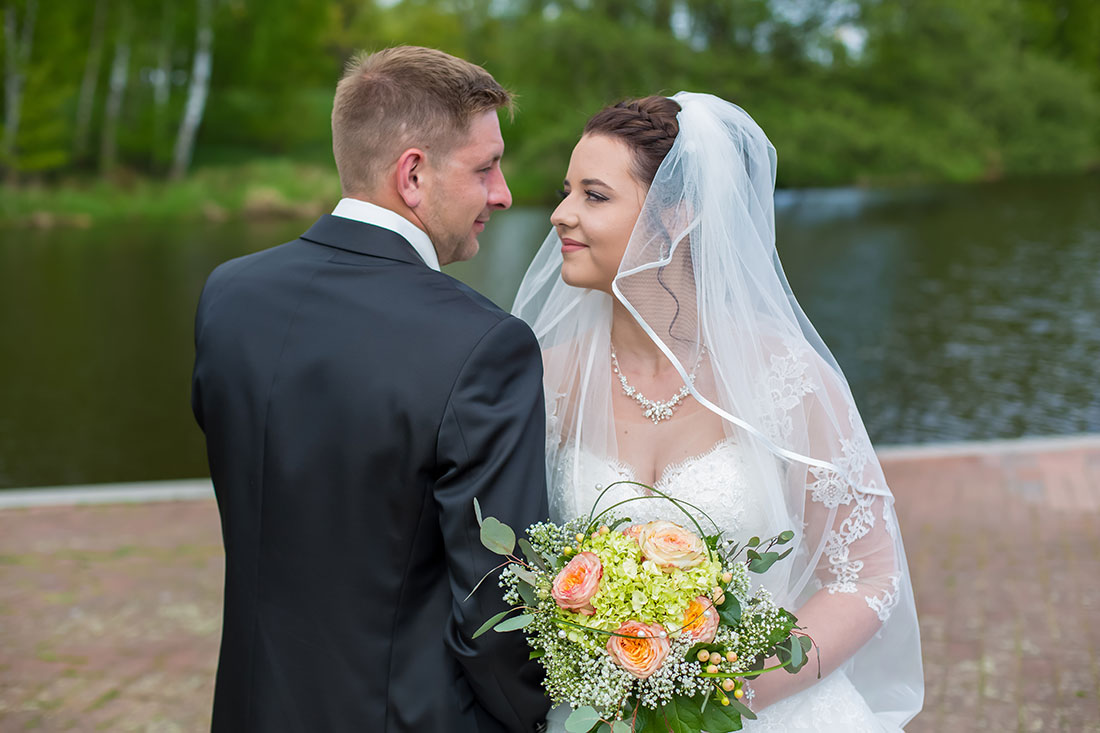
(956, 313)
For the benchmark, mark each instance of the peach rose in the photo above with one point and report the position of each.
(633, 531)
(642, 649)
(701, 620)
(669, 546)
(577, 582)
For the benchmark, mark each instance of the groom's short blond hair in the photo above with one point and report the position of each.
(400, 98)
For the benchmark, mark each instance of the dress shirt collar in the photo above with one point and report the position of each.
(369, 213)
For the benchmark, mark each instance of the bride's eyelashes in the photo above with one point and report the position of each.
(589, 195)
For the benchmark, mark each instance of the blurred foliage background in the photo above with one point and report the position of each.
(110, 101)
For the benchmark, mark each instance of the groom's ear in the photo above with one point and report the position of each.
(410, 168)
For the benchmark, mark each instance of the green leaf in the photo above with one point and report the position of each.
(516, 622)
(729, 613)
(537, 654)
(497, 536)
(785, 537)
(532, 557)
(582, 719)
(477, 511)
(742, 708)
(692, 654)
(682, 715)
(753, 542)
(645, 720)
(786, 552)
(489, 624)
(721, 718)
(620, 726)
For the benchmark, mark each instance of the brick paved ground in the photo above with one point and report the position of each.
(109, 615)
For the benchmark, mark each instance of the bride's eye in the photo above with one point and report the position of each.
(593, 196)
(562, 193)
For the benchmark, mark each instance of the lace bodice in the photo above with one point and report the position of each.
(715, 481)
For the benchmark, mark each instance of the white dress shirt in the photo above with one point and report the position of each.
(369, 213)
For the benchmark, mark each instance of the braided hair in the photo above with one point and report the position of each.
(648, 127)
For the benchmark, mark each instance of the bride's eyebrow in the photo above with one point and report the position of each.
(595, 182)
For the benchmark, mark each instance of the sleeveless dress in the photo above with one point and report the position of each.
(716, 482)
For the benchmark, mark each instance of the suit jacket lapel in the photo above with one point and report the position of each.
(362, 238)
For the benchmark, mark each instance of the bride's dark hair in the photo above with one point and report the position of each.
(648, 127)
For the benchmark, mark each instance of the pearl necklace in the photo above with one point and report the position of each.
(655, 411)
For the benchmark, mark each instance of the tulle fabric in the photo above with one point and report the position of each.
(701, 274)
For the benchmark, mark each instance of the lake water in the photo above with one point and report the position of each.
(957, 313)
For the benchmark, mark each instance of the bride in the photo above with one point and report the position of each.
(676, 356)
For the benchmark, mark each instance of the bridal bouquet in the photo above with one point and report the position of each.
(644, 628)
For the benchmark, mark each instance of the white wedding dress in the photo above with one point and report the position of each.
(716, 482)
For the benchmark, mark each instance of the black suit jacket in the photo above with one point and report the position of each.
(355, 402)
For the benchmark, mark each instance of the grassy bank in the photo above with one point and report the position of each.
(264, 187)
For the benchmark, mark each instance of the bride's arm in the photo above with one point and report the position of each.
(859, 577)
(850, 537)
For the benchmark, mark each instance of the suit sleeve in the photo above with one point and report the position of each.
(492, 447)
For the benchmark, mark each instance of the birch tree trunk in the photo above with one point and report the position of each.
(88, 84)
(162, 82)
(120, 68)
(17, 54)
(196, 92)
(163, 77)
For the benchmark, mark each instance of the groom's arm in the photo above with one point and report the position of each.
(492, 447)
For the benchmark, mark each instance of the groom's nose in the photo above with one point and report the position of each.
(499, 195)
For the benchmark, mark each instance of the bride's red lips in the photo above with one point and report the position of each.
(571, 245)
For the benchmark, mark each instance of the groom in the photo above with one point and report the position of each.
(355, 402)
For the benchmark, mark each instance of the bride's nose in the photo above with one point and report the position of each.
(563, 215)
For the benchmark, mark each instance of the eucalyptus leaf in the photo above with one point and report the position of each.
(497, 536)
(753, 542)
(477, 512)
(527, 593)
(620, 726)
(490, 623)
(516, 622)
(763, 563)
(524, 574)
(533, 557)
(582, 719)
(537, 654)
(798, 656)
(785, 536)
(786, 552)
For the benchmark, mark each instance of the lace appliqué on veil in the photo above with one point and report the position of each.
(834, 487)
(784, 387)
(885, 604)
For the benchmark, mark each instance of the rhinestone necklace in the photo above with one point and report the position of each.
(655, 411)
